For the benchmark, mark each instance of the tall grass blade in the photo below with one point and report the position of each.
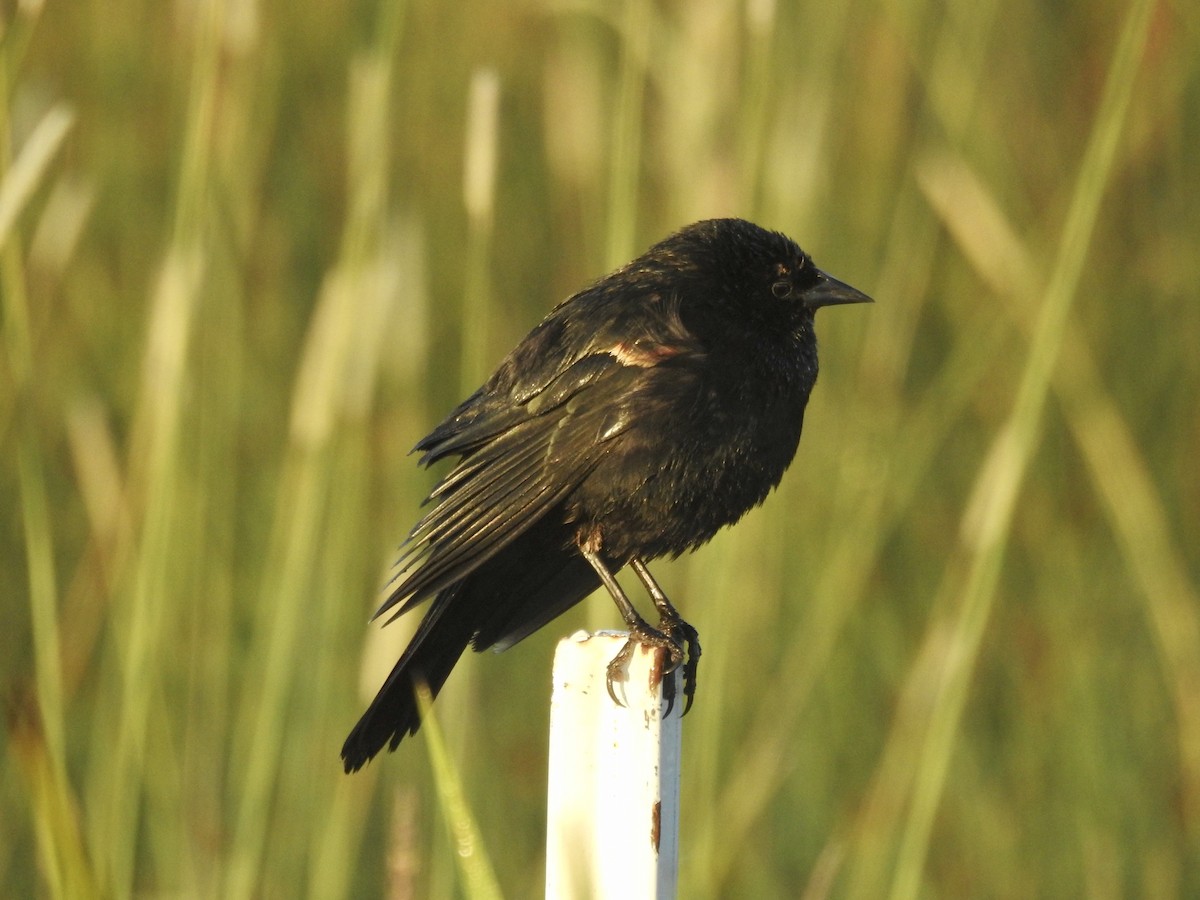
(475, 868)
(989, 517)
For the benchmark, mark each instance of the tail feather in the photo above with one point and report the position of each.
(534, 579)
(429, 659)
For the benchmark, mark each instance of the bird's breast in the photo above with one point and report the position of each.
(695, 458)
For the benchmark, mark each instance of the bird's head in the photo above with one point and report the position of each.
(732, 268)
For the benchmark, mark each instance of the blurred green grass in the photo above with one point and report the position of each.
(244, 269)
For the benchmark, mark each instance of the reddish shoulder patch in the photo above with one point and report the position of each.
(642, 353)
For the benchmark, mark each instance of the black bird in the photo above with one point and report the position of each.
(641, 416)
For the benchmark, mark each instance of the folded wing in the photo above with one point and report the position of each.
(518, 464)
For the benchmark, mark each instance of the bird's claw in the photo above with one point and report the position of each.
(679, 641)
(643, 636)
(686, 637)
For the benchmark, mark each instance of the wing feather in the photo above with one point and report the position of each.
(514, 477)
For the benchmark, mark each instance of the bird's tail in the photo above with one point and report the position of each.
(539, 576)
(430, 657)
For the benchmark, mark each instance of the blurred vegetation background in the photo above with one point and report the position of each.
(250, 252)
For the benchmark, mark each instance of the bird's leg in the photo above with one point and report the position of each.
(640, 631)
(672, 624)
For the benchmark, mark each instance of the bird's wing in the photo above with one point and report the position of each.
(520, 468)
(533, 432)
(566, 352)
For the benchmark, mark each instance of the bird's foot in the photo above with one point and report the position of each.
(642, 635)
(681, 644)
(673, 625)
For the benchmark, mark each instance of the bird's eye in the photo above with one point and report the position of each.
(781, 290)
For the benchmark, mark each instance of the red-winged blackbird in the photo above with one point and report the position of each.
(641, 416)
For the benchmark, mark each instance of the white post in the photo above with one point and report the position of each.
(612, 830)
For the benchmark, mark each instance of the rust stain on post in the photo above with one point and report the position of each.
(656, 667)
(656, 824)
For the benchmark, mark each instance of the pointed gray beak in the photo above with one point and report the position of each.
(831, 292)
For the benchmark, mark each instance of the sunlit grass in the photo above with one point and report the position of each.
(250, 254)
